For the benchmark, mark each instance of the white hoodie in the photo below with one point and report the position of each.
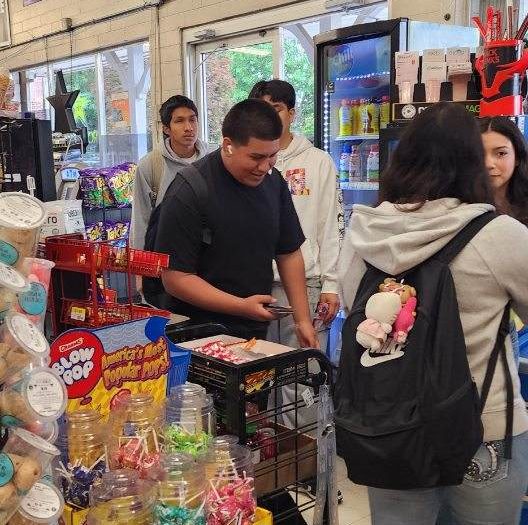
(488, 273)
(312, 179)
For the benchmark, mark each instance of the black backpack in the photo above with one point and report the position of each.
(414, 421)
(153, 287)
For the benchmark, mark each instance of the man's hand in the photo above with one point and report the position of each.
(332, 300)
(254, 308)
(306, 335)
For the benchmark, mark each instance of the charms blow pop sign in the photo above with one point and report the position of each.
(99, 365)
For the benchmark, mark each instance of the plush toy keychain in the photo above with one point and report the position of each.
(407, 315)
(381, 310)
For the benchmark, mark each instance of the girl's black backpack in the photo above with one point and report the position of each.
(414, 421)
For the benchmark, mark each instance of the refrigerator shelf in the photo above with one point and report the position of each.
(370, 136)
(360, 185)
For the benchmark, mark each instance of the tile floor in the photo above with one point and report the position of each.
(355, 508)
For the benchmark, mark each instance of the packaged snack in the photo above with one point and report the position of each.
(117, 231)
(11, 284)
(120, 180)
(21, 217)
(95, 231)
(22, 461)
(38, 394)
(21, 344)
(34, 301)
(43, 504)
(95, 192)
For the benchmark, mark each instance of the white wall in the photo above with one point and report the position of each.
(45, 17)
(455, 12)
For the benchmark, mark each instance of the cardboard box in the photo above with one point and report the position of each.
(279, 472)
(62, 217)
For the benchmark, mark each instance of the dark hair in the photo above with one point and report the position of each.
(252, 118)
(517, 191)
(175, 102)
(440, 154)
(277, 90)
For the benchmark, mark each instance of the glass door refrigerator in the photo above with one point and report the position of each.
(354, 74)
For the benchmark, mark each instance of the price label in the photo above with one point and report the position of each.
(77, 313)
(308, 398)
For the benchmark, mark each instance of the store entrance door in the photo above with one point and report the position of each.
(224, 72)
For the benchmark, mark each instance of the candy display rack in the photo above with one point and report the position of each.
(286, 459)
(79, 295)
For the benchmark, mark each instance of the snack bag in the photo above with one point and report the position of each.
(120, 180)
(95, 231)
(95, 192)
(117, 231)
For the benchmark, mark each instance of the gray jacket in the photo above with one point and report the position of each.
(141, 205)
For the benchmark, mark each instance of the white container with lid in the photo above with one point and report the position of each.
(21, 217)
(21, 344)
(43, 504)
(39, 394)
(12, 283)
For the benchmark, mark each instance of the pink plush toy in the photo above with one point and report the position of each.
(405, 321)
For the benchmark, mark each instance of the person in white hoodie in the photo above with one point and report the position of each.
(435, 185)
(312, 181)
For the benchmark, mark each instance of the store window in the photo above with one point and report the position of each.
(114, 102)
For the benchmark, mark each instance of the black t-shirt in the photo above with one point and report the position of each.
(249, 227)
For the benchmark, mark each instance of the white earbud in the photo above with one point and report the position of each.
(270, 171)
(229, 149)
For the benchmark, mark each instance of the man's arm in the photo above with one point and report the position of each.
(194, 290)
(291, 270)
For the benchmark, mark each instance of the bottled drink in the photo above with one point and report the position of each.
(365, 116)
(345, 126)
(374, 112)
(384, 112)
(373, 164)
(355, 117)
(354, 171)
(344, 162)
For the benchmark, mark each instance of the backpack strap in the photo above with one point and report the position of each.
(500, 349)
(194, 178)
(156, 174)
(463, 237)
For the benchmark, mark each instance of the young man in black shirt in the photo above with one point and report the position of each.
(252, 221)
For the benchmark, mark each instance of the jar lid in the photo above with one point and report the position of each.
(36, 441)
(42, 504)
(45, 393)
(21, 211)
(27, 335)
(48, 430)
(12, 279)
(122, 487)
